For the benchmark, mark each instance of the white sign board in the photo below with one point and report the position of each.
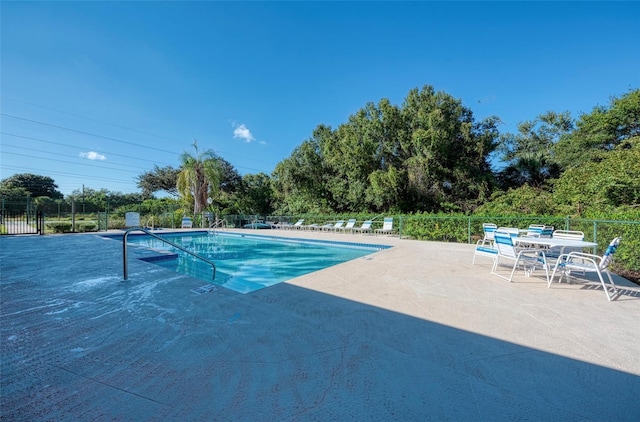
(132, 219)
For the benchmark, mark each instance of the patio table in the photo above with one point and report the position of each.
(550, 242)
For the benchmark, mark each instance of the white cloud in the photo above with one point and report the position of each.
(92, 155)
(242, 132)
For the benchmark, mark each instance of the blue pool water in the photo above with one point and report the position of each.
(245, 263)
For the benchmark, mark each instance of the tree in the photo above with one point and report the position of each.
(529, 153)
(611, 182)
(300, 181)
(257, 195)
(445, 153)
(600, 131)
(199, 177)
(35, 184)
(430, 154)
(159, 179)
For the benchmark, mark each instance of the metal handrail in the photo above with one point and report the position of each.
(222, 223)
(124, 250)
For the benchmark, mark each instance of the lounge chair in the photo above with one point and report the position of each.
(364, 228)
(334, 227)
(387, 226)
(349, 226)
(568, 264)
(295, 226)
(325, 226)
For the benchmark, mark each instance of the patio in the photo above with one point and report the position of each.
(414, 332)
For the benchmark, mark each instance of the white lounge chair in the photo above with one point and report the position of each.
(528, 258)
(582, 262)
(387, 226)
(334, 227)
(349, 226)
(297, 225)
(364, 228)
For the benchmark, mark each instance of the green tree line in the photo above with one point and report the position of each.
(428, 154)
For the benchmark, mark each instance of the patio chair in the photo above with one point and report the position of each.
(535, 230)
(513, 231)
(555, 252)
(364, 228)
(584, 263)
(387, 226)
(349, 226)
(489, 229)
(485, 247)
(187, 223)
(547, 231)
(528, 258)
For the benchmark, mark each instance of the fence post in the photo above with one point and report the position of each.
(73, 215)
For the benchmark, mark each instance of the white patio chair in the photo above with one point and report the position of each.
(485, 247)
(387, 226)
(534, 230)
(187, 223)
(547, 231)
(528, 258)
(555, 252)
(587, 263)
(513, 231)
(489, 229)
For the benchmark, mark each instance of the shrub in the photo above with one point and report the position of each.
(59, 226)
(86, 227)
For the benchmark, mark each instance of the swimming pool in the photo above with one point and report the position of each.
(246, 263)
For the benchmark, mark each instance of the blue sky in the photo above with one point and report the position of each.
(96, 93)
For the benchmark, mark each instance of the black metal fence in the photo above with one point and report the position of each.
(26, 222)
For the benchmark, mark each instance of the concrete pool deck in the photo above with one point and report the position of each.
(414, 332)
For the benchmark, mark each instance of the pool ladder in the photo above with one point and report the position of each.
(219, 223)
(124, 250)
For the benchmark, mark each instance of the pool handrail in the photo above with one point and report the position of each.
(124, 250)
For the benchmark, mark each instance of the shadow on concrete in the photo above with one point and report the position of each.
(77, 343)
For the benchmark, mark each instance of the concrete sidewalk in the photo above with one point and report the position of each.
(414, 332)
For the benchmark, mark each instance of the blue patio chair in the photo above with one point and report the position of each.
(568, 264)
(489, 229)
(528, 258)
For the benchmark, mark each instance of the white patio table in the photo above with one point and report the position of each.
(550, 242)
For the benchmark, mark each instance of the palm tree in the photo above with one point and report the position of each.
(199, 176)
